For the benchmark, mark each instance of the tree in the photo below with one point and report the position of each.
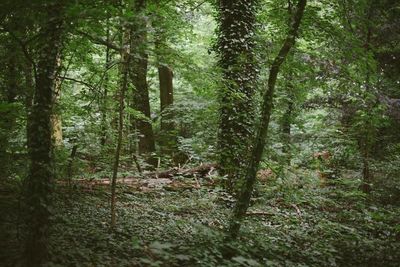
(168, 138)
(124, 69)
(363, 114)
(243, 200)
(40, 178)
(235, 47)
(104, 104)
(138, 76)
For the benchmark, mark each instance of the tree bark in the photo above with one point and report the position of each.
(125, 59)
(165, 76)
(287, 118)
(168, 136)
(237, 19)
(104, 104)
(286, 130)
(40, 178)
(243, 201)
(138, 74)
(286, 122)
(56, 122)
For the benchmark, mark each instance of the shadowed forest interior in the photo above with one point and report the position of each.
(200, 133)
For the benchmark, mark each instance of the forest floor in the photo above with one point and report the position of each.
(290, 223)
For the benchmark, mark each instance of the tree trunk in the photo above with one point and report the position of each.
(286, 131)
(168, 134)
(168, 140)
(40, 178)
(165, 76)
(286, 122)
(104, 103)
(243, 201)
(138, 74)
(237, 19)
(29, 94)
(125, 61)
(56, 123)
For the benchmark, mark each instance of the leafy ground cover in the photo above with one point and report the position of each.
(292, 222)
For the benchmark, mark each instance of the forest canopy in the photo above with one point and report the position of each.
(199, 133)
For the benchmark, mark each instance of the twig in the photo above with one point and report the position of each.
(298, 211)
(259, 213)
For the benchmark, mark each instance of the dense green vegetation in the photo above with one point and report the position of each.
(199, 133)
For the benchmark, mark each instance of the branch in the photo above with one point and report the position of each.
(22, 44)
(78, 81)
(198, 5)
(330, 102)
(101, 41)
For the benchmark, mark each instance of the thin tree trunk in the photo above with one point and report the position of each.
(56, 122)
(104, 106)
(70, 167)
(243, 201)
(286, 130)
(40, 178)
(125, 58)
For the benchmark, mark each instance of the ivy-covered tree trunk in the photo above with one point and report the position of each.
(237, 19)
(40, 178)
(243, 201)
(138, 74)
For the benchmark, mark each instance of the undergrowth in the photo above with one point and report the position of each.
(292, 222)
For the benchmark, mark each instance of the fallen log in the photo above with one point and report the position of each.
(150, 181)
(200, 171)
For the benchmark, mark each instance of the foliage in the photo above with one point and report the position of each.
(299, 224)
(337, 94)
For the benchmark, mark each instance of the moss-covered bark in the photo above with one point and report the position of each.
(40, 178)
